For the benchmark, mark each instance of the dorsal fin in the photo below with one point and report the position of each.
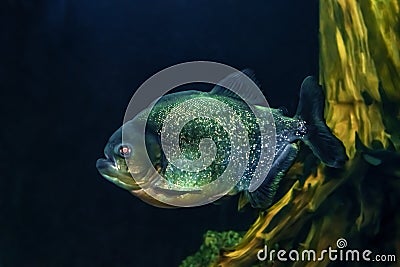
(239, 84)
(252, 75)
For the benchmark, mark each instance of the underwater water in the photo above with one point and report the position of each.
(68, 70)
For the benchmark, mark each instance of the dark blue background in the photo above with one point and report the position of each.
(68, 70)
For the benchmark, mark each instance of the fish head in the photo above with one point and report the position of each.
(129, 161)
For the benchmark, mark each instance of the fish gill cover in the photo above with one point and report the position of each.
(360, 74)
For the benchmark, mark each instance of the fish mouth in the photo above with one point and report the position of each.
(149, 181)
(109, 170)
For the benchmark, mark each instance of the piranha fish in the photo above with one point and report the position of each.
(125, 166)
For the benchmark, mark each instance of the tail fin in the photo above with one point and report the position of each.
(319, 138)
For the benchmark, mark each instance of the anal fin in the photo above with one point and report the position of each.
(263, 196)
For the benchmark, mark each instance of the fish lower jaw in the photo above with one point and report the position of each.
(118, 182)
(113, 174)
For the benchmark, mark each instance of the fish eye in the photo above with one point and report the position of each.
(124, 150)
